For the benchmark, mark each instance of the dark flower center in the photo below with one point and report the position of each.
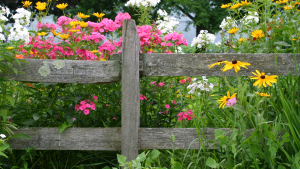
(263, 76)
(227, 99)
(234, 61)
(219, 60)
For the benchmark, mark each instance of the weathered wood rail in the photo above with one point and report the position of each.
(127, 68)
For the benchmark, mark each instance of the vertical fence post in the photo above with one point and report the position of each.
(130, 105)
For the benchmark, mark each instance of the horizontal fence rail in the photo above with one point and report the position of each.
(79, 71)
(109, 139)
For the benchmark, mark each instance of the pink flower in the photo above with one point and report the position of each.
(77, 107)
(86, 111)
(180, 116)
(114, 118)
(107, 105)
(154, 83)
(161, 84)
(167, 106)
(142, 97)
(95, 97)
(175, 102)
(231, 102)
(74, 119)
(182, 81)
(120, 17)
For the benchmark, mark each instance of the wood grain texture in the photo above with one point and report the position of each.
(74, 71)
(110, 138)
(130, 105)
(197, 64)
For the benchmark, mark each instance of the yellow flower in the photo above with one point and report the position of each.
(62, 6)
(176, 91)
(99, 16)
(287, 8)
(26, 4)
(263, 94)
(236, 65)
(94, 51)
(82, 16)
(220, 62)
(263, 79)
(225, 6)
(74, 30)
(64, 36)
(10, 47)
(41, 6)
(245, 2)
(282, 1)
(83, 24)
(242, 39)
(236, 6)
(54, 32)
(102, 59)
(224, 99)
(257, 34)
(297, 3)
(42, 33)
(233, 30)
(189, 96)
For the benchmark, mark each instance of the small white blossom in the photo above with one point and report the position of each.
(228, 23)
(203, 38)
(144, 3)
(251, 17)
(18, 32)
(2, 136)
(168, 24)
(162, 12)
(203, 85)
(22, 16)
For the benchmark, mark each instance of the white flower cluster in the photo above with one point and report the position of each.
(18, 32)
(3, 11)
(144, 3)
(2, 136)
(228, 23)
(251, 17)
(203, 85)
(22, 17)
(168, 24)
(203, 38)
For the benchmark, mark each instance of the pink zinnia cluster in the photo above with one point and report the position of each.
(160, 84)
(108, 25)
(142, 97)
(188, 80)
(86, 106)
(148, 36)
(174, 37)
(120, 17)
(47, 26)
(85, 55)
(189, 115)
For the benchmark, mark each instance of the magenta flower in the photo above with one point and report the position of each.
(107, 105)
(231, 102)
(180, 116)
(142, 97)
(95, 97)
(114, 118)
(167, 106)
(86, 111)
(182, 81)
(74, 119)
(154, 83)
(161, 84)
(174, 102)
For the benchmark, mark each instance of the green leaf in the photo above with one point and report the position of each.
(20, 135)
(2, 154)
(177, 166)
(211, 162)
(141, 157)
(4, 146)
(36, 116)
(11, 100)
(282, 43)
(153, 155)
(64, 127)
(121, 159)
(219, 133)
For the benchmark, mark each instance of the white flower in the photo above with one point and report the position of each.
(2, 136)
(162, 12)
(2, 37)
(203, 38)
(203, 85)
(251, 17)
(144, 3)
(168, 24)
(22, 16)
(18, 32)
(228, 23)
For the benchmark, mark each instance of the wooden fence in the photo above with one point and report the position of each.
(127, 67)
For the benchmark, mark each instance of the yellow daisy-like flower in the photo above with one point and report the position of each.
(233, 30)
(224, 99)
(220, 62)
(225, 6)
(10, 47)
(257, 34)
(62, 6)
(102, 59)
(42, 33)
(94, 51)
(263, 79)
(282, 1)
(245, 2)
(64, 36)
(99, 16)
(287, 8)
(242, 39)
(82, 16)
(74, 23)
(74, 30)
(263, 94)
(83, 24)
(26, 4)
(41, 6)
(297, 3)
(236, 6)
(236, 65)
(54, 32)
